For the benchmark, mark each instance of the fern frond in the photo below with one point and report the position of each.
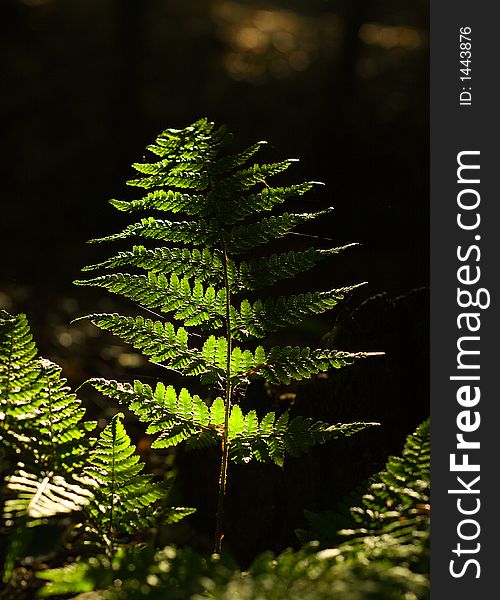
(175, 177)
(242, 238)
(395, 502)
(271, 439)
(201, 265)
(207, 266)
(19, 369)
(195, 233)
(200, 279)
(162, 343)
(398, 499)
(173, 201)
(175, 417)
(194, 304)
(124, 497)
(262, 317)
(42, 420)
(265, 271)
(242, 206)
(40, 498)
(178, 417)
(231, 162)
(246, 179)
(286, 363)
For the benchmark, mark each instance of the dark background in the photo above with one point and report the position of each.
(342, 85)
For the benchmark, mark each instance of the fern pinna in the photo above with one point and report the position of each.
(194, 274)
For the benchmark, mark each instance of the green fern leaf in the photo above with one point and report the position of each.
(196, 233)
(266, 316)
(192, 304)
(124, 497)
(201, 265)
(231, 162)
(19, 370)
(395, 502)
(245, 179)
(241, 207)
(242, 238)
(287, 363)
(40, 498)
(42, 421)
(178, 417)
(172, 201)
(265, 271)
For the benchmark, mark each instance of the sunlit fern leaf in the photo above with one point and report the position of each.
(262, 317)
(42, 419)
(240, 207)
(265, 271)
(286, 363)
(245, 179)
(38, 497)
(195, 233)
(177, 417)
(242, 238)
(207, 266)
(162, 343)
(179, 178)
(192, 285)
(398, 500)
(175, 514)
(176, 202)
(201, 265)
(232, 161)
(165, 345)
(19, 370)
(194, 304)
(124, 498)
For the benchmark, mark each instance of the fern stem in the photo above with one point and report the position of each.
(219, 534)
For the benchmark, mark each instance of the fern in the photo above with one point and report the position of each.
(43, 432)
(42, 424)
(39, 498)
(396, 502)
(124, 499)
(54, 467)
(379, 574)
(373, 562)
(182, 417)
(44, 439)
(195, 271)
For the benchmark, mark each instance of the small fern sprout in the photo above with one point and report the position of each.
(124, 499)
(206, 214)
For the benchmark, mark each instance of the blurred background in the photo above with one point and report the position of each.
(340, 84)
